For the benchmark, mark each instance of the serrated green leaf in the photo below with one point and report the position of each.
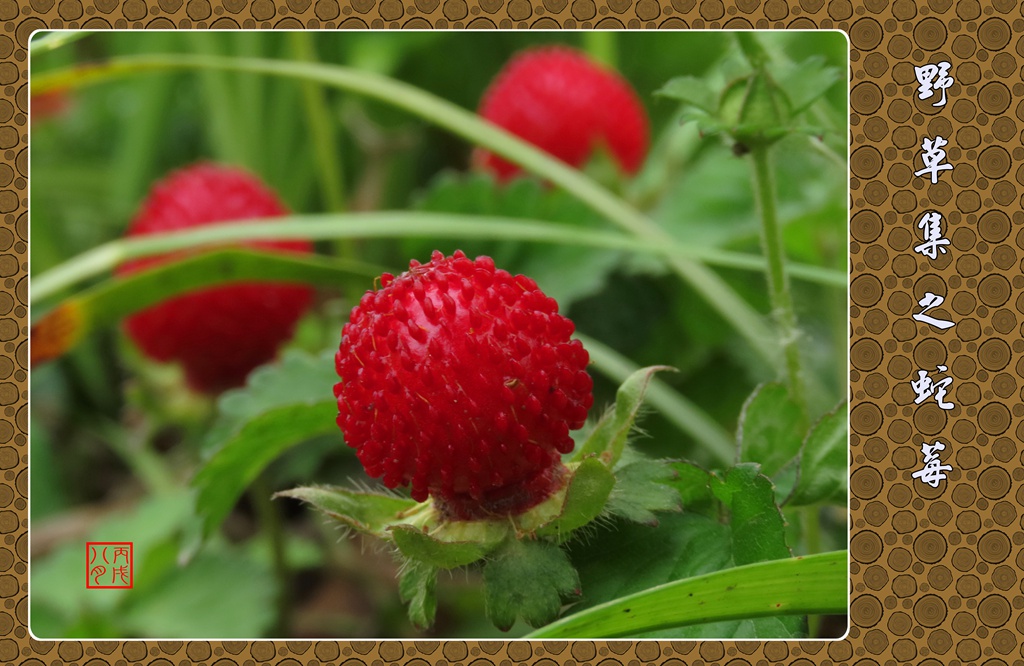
(641, 489)
(585, 499)
(693, 484)
(758, 529)
(297, 378)
(223, 478)
(422, 547)
(769, 431)
(689, 90)
(417, 587)
(528, 579)
(824, 460)
(367, 512)
(608, 439)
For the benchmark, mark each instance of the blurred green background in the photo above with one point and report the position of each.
(115, 439)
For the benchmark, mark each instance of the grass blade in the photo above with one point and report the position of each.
(798, 586)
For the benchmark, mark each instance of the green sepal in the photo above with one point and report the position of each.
(689, 90)
(417, 587)
(587, 494)
(366, 512)
(756, 110)
(416, 544)
(808, 81)
(528, 579)
(641, 488)
(608, 439)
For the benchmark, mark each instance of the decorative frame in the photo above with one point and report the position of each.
(912, 546)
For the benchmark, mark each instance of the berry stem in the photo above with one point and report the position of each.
(602, 47)
(778, 281)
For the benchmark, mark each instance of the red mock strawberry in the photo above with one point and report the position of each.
(560, 101)
(221, 333)
(462, 381)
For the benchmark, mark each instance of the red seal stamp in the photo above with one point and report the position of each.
(109, 565)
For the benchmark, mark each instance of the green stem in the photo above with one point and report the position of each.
(812, 528)
(463, 123)
(602, 47)
(778, 282)
(396, 224)
(270, 522)
(812, 541)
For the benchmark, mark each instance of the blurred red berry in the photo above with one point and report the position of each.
(218, 334)
(563, 103)
(44, 106)
(462, 381)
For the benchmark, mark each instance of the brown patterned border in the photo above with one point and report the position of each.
(936, 573)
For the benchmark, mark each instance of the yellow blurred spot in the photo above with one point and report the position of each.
(55, 333)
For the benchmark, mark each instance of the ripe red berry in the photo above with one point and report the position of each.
(218, 334)
(462, 381)
(560, 101)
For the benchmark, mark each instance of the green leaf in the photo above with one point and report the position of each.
(371, 513)
(527, 579)
(693, 484)
(609, 436)
(225, 476)
(297, 378)
(769, 429)
(689, 90)
(585, 498)
(282, 405)
(758, 529)
(641, 489)
(682, 545)
(797, 586)
(823, 461)
(417, 587)
(422, 547)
